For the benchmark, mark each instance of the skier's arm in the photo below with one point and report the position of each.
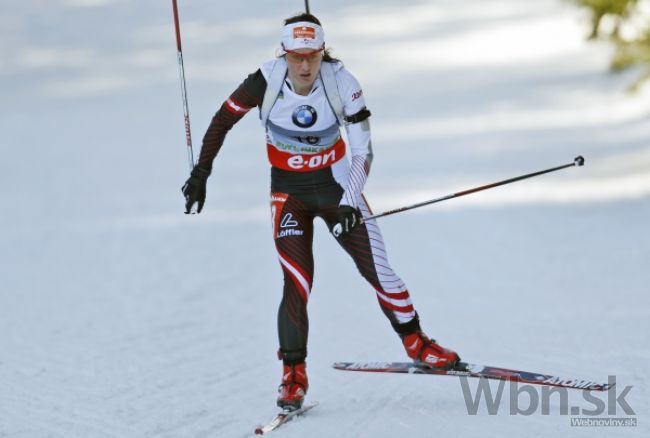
(248, 95)
(358, 132)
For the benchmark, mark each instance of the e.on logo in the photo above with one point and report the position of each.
(306, 162)
(314, 162)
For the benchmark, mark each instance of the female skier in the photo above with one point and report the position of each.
(304, 97)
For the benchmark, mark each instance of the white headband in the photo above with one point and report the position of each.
(303, 35)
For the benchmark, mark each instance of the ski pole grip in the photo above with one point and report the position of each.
(579, 161)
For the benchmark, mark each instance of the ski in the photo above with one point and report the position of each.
(284, 417)
(473, 370)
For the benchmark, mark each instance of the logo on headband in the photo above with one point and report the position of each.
(304, 32)
(304, 116)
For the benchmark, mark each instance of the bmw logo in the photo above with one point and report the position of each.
(304, 116)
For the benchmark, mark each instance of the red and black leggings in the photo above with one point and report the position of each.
(293, 228)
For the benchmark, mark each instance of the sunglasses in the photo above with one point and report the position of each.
(297, 58)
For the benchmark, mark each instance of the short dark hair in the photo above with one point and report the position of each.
(304, 16)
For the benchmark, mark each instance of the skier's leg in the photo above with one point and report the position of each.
(293, 233)
(366, 247)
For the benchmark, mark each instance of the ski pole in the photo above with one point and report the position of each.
(181, 68)
(307, 6)
(578, 161)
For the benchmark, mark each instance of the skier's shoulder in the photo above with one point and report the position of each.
(267, 68)
(343, 75)
(338, 68)
(349, 86)
(255, 83)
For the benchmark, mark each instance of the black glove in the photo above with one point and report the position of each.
(348, 218)
(194, 188)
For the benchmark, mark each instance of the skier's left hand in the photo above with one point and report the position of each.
(348, 218)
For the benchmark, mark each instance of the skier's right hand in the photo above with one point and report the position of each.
(348, 218)
(194, 188)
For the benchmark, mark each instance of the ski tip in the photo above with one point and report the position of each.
(284, 416)
(608, 386)
(346, 366)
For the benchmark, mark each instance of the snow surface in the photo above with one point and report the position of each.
(122, 317)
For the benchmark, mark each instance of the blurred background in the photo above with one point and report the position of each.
(121, 316)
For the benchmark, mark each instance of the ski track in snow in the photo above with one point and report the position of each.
(122, 317)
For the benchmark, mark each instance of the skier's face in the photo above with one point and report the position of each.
(303, 68)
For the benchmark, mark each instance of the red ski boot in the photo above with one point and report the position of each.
(293, 387)
(427, 352)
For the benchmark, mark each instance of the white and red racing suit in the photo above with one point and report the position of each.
(310, 177)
